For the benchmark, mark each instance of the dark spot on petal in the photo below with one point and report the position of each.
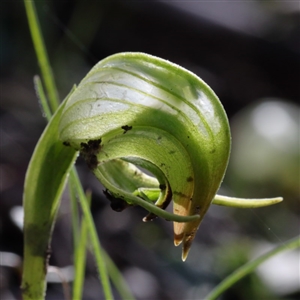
(190, 179)
(89, 152)
(162, 186)
(197, 210)
(92, 161)
(94, 144)
(66, 143)
(116, 204)
(126, 128)
(84, 147)
(180, 194)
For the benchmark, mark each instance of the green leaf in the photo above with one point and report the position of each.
(45, 180)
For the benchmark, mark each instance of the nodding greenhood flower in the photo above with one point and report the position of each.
(135, 110)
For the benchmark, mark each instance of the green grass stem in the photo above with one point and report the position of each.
(80, 252)
(250, 267)
(94, 237)
(117, 278)
(42, 97)
(42, 55)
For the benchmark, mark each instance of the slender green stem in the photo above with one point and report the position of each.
(64, 281)
(80, 254)
(152, 194)
(117, 278)
(79, 262)
(245, 203)
(74, 214)
(94, 237)
(41, 53)
(79, 243)
(250, 267)
(113, 271)
(42, 97)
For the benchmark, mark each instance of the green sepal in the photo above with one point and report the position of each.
(44, 183)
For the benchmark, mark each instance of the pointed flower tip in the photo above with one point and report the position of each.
(186, 249)
(185, 253)
(177, 242)
(244, 202)
(178, 238)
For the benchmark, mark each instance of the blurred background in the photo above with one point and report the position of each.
(249, 53)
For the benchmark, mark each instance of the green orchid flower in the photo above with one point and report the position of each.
(132, 112)
(136, 110)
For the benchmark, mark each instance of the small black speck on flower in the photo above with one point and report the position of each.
(190, 179)
(162, 187)
(89, 152)
(180, 194)
(126, 128)
(116, 204)
(197, 210)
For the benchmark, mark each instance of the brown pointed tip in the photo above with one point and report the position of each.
(149, 217)
(177, 243)
(184, 256)
(178, 238)
(185, 252)
(187, 243)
